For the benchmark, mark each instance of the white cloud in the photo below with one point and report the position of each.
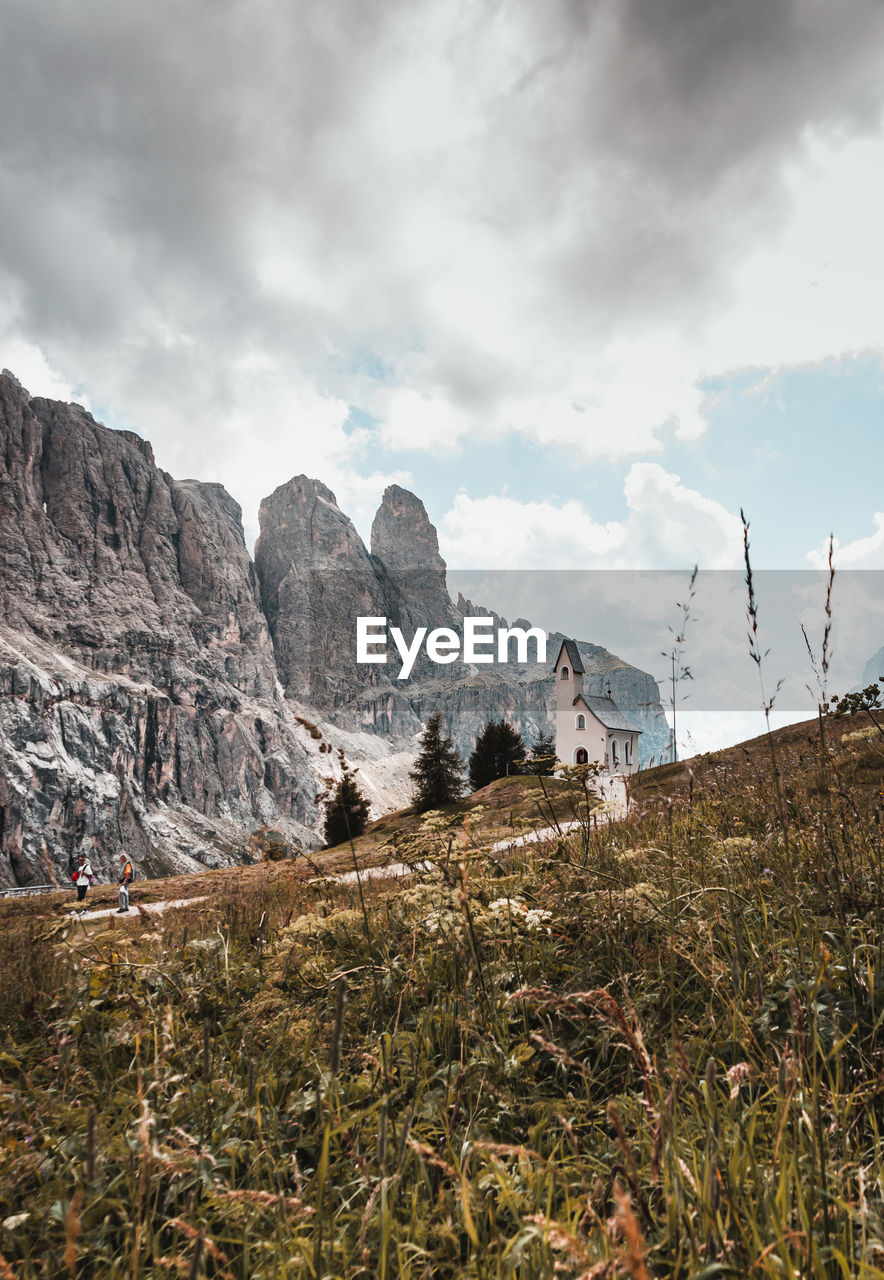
(504, 533)
(415, 420)
(802, 288)
(668, 526)
(677, 526)
(862, 553)
(548, 223)
(28, 363)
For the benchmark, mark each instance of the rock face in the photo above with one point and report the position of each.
(160, 693)
(126, 569)
(317, 577)
(405, 549)
(137, 676)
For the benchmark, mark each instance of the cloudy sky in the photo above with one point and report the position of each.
(589, 275)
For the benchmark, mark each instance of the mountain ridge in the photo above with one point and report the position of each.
(155, 680)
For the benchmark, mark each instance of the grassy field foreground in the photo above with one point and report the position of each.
(647, 1049)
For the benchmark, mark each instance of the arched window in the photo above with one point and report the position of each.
(615, 751)
(580, 756)
(564, 673)
(627, 751)
(580, 722)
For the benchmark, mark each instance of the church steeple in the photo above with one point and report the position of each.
(569, 674)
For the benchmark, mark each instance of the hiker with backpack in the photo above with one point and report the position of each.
(127, 875)
(83, 877)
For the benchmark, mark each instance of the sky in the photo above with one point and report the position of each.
(589, 276)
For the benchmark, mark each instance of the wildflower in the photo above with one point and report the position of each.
(530, 918)
(440, 922)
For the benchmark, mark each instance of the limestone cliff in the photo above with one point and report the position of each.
(137, 676)
(160, 693)
(311, 566)
(317, 577)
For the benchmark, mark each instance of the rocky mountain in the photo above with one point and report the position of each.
(138, 699)
(163, 694)
(317, 577)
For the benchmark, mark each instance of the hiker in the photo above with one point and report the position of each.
(83, 877)
(127, 875)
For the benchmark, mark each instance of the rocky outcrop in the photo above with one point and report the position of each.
(412, 573)
(137, 676)
(405, 544)
(103, 763)
(317, 577)
(403, 538)
(160, 693)
(124, 568)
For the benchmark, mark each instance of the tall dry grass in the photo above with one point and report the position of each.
(646, 1049)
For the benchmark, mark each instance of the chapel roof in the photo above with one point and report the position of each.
(606, 712)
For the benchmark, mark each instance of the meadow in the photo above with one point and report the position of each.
(650, 1048)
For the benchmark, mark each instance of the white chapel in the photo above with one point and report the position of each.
(590, 728)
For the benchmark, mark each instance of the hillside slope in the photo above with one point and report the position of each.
(649, 1048)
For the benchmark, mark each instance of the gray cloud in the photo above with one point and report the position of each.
(182, 184)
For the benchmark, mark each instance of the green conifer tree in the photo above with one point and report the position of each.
(542, 761)
(346, 813)
(498, 748)
(438, 770)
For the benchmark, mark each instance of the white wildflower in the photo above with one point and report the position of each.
(522, 916)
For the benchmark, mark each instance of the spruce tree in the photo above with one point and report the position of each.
(346, 813)
(438, 770)
(498, 747)
(543, 756)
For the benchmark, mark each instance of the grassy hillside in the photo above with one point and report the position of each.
(650, 1048)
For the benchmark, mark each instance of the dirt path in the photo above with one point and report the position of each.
(154, 908)
(394, 869)
(535, 837)
(612, 792)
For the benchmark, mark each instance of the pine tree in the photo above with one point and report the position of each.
(543, 756)
(438, 770)
(346, 813)
(498, 747)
